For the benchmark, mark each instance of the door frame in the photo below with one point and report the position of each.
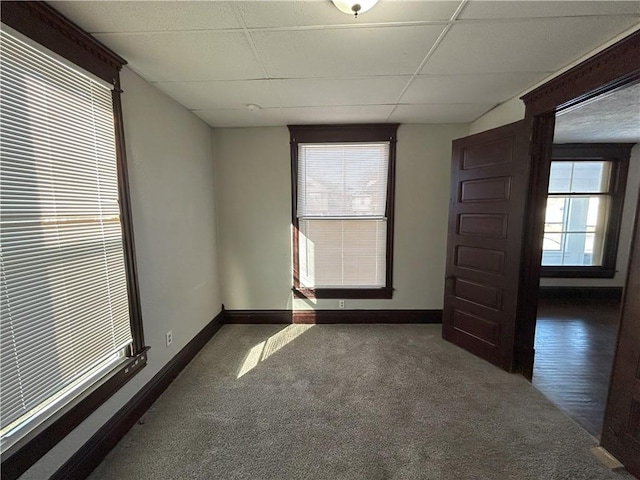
(610, 69)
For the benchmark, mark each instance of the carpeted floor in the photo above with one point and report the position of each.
(349, 402)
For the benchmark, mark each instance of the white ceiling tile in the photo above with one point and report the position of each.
(105, 16)
(307, 13)
(186, 56)
(522, 45)
(487, 87)
(242, 117)
(319, 67)
(221, 94)
(480, 9)
(344, 52)
(346, 91)
(287, 116)
(340, 114)
(440, 113)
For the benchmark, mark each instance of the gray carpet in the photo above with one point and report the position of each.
(349, 402)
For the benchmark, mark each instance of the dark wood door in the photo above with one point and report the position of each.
(488, 192)
(621, 430)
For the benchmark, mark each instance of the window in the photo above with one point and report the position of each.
(584, 206)
(342, 186)
(70, 329)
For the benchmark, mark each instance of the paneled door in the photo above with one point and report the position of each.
(621, 431)
(489, 185)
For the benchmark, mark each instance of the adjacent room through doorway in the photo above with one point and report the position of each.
(592, 197)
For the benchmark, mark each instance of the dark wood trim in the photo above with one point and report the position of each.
(89, 456)
(391, 208)
(332, 316)
(614, 67)
(295, 232)
(618, 154)
(605, 271)
(346, 293)
(15, 463)
(591, 151)
(367, 316)
(354, 133)
(363, 132)
(42, 23)
(135, 310)
(258, 316)
(582, 293)
(540, 130)
(607, 70)
(621, 426)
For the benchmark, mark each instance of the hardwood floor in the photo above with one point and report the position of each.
(575, 344)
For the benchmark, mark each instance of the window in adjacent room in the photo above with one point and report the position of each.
(584, 206)
(70, 330)
(343, 210)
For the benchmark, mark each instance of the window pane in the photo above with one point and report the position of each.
(560, 177)
(579, 177)
(577, 251)
(555, 210)
(342, 253)
(63, 289)
(552, 242)
(591, 177)
(574, 231)
(342, 180)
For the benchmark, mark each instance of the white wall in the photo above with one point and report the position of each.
(508, 112)
(171, 173)
(624, 240)
(254, 192)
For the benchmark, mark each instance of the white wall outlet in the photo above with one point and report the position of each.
(169, 338)
(340, 303)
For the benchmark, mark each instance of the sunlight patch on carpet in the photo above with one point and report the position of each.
(263, 350)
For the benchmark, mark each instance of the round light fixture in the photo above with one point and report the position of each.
(354, 7)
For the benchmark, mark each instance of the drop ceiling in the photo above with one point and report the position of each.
(306, 62)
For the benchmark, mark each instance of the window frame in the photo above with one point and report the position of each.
(43, 24)
(618, 154)
(353, 133)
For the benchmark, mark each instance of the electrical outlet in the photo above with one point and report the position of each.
(169, 338)
(340, 303)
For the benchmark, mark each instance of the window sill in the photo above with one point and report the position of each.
(343, 293)
(577, 272)
(28, 450)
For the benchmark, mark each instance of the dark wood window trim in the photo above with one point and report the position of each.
(618, 154)
(354, 133)
(43, 24)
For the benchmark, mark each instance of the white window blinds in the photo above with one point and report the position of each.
(63, 292)
(341, 209)
(342, 180)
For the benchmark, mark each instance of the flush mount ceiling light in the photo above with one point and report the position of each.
(354, 7)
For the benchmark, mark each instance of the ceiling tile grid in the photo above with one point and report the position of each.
(413, 61)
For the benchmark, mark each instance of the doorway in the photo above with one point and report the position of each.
(593, 189)
(613, 68)
(490, 309)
